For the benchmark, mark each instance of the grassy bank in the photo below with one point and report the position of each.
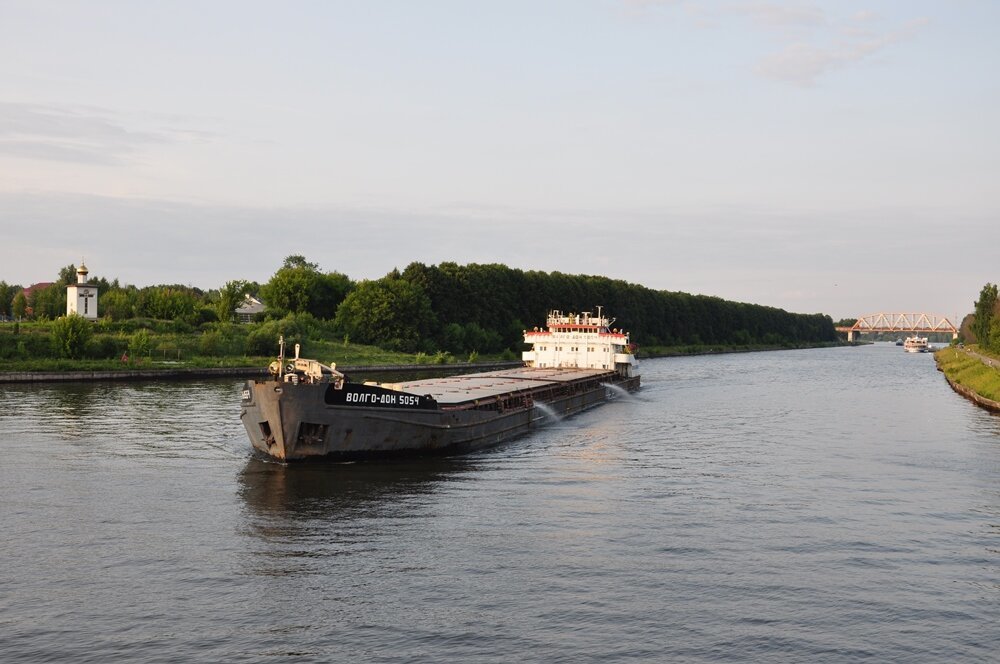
(971, 372)
(154, 344)
(326, 352)
(143, 344)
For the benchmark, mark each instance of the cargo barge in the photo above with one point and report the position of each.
(309, 409)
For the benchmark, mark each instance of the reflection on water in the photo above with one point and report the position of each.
(828, 505)
(173, 419)
(337, 490)
(302, 516)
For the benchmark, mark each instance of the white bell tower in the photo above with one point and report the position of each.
(81, 297)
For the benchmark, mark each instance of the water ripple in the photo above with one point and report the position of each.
(833, 505)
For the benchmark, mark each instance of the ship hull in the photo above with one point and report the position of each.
(297, 421)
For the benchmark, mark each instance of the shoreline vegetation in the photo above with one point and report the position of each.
(972, 373)
(169, 362)
(429, 313)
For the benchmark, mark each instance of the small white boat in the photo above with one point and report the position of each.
(915, 345)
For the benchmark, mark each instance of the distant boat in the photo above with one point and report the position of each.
(915, 345)
(899, 342)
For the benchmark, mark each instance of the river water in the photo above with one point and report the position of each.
(828, 505)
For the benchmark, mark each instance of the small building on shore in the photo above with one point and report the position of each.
(81, 297)
(249, 309)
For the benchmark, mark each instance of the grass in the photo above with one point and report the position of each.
(46, 364)
(970, 372)
(25, 347)
(164, 357)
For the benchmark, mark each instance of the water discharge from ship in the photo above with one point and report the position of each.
(548, 412)
(617, 390)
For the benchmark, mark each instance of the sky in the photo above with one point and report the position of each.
(821, 157)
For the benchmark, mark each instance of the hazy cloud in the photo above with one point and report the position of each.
(802, 63)
(645, 4)
(853, 262)
(818, 43)
(82, 134)
(781, 15)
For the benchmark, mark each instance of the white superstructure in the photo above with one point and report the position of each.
(915, 345)
(582, 341)
(81, 297)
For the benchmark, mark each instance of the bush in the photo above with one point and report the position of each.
(260, 343)
(209, 343)
(36, 345)
(8, 346)
(106, 346)
(70, 335)
(205, 314)
(139, 344)
(296, 328)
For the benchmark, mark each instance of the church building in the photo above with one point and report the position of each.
(81, 297)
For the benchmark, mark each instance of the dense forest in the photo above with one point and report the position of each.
(492, 304)
(425, 308)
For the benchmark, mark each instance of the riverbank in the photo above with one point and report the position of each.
(181, 373)
(971, 374)
(175, 371)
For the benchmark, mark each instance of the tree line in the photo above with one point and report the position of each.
(982, 326)
(480, 308)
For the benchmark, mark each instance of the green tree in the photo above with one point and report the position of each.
(48, 303)
(299, 261)
(19, 306)
(328, 292)
(67, 275)
(994, 343)
(7, 293)
(120, 303)
(299, 287)
(488, 300)
(139, 344)
(231, 296)
(70, 335)
(985, 306)
(289, 290)
(169, 302)
(389, 312)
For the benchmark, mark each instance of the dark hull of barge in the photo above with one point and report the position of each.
(448, 416)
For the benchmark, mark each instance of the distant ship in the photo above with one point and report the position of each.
(915, 345)
(899, 342)
(308, 409)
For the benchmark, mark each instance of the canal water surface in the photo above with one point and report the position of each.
(828, 505)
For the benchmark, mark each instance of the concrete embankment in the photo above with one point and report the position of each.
(225, 372)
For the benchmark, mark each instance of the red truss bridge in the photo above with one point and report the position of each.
(908, 322)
